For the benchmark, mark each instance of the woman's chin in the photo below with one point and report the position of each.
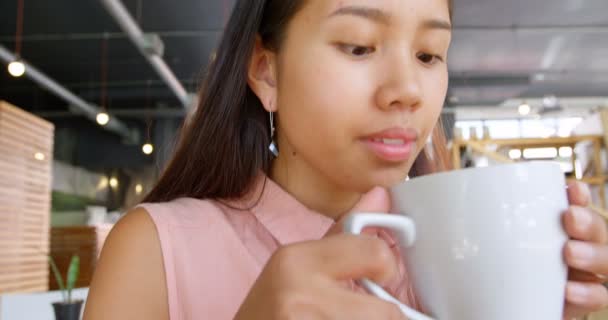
(387, 178)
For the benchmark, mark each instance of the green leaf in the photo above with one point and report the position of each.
(58, 277)
(72, 276)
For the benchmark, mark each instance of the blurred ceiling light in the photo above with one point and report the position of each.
(147, 148)
(39, 156)
(102, 118)
(515, 154)
(113, 182)
(540, 153)
(16, 68)
(139, 189)
(550, 104)
(103, 183)
(524, 109)
(550, 101)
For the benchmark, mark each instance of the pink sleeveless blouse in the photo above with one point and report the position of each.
(213, 251)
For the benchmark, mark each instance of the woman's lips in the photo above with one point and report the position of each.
(394, 144)
(392, 151)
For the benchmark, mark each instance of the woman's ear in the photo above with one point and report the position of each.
(261, 75)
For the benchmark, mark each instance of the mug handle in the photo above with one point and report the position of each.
(406, 233)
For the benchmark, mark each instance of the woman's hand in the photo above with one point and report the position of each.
(309, 280)
(586, 255)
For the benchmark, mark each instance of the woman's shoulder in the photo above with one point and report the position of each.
(185, 212)
(130, 265)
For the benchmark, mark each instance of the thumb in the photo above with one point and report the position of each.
(376, 200)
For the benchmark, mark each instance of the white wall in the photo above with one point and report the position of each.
(34, 306)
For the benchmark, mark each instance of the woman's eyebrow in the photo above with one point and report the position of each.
(437, 24)
(374, 14)
(383, 17)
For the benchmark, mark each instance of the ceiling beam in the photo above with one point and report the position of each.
(109, 35)
(123, 113)
(214, 32)
(78, 105)
(149, 48)
(536, 28)
(525, 72)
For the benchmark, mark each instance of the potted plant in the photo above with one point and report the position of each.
(67, 309)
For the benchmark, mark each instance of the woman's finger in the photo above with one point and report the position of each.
(573, 312)
(583, 224)
(588, 297)
(579, 194)
(345, 257)
(585, 256)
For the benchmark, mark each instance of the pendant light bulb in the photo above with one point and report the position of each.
(16, 68)
(102, 118)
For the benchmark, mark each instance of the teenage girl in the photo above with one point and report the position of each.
(311, 109)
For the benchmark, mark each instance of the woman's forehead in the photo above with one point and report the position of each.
(392, 8)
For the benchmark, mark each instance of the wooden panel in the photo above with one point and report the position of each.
(23, 274)
(85, 241)
(540, 142)
(25, 260)
(25, 200)
(33, 172)
(24, 177)
(25, 285)
(24, 235)
(12, 268)
(33, 132)
(19, 195)
(12, 131)
(23, 154)
(9, 109)
(12, 150)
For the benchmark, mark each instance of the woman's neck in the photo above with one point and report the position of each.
(310, 187)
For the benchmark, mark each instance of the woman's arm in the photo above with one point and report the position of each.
(129, 281)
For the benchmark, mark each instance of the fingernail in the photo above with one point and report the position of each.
(577, 293)
(581, 251)
(582, 218)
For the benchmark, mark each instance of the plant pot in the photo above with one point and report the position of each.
(67, 311)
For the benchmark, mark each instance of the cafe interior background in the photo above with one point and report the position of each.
(93, 93)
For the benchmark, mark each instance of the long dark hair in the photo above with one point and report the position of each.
(224, 144)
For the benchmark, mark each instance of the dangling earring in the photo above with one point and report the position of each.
(272, 147)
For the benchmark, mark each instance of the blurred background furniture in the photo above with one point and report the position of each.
(513, 150)
(26, 149)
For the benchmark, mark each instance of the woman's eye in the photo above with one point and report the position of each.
(357, 51)
(429, 59)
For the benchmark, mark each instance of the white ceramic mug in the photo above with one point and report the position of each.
(480, 244)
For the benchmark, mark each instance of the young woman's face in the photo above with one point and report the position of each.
(360, 86)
